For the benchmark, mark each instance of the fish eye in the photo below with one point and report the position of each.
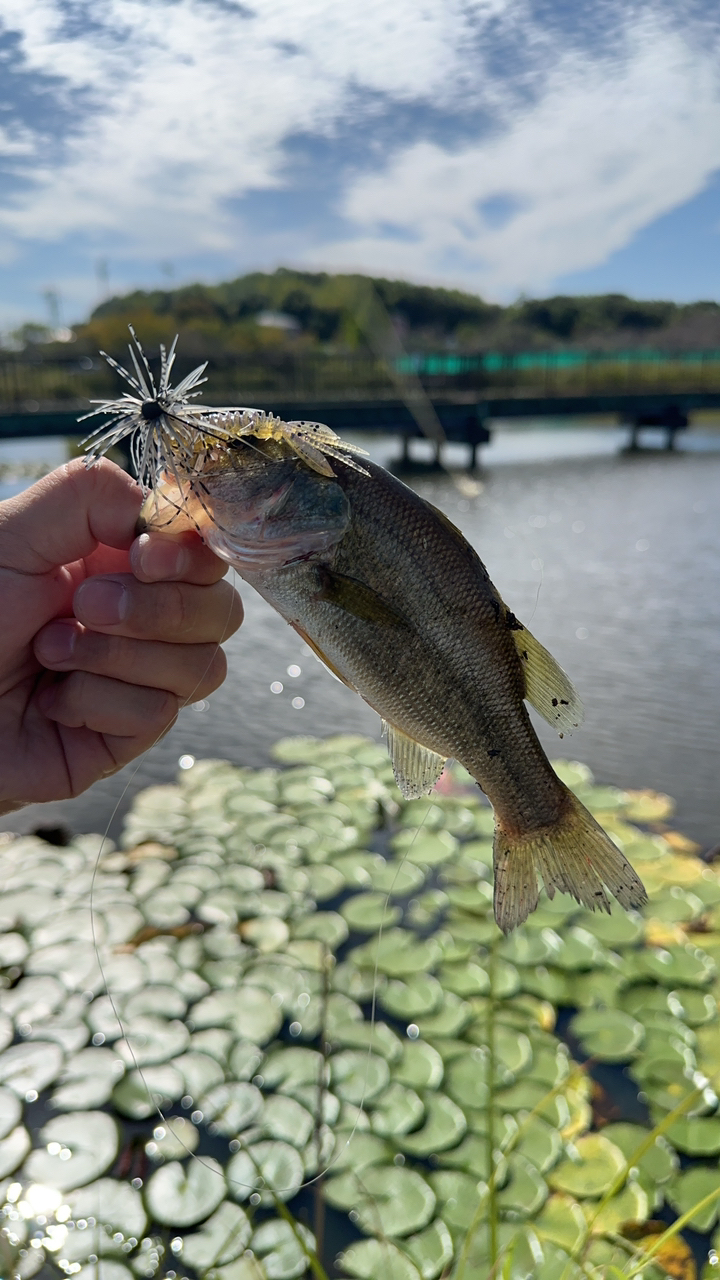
(150, 411)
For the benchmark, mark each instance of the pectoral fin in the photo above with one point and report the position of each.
(356, 598)
(323, 657)
(416, 768)
(547, 688)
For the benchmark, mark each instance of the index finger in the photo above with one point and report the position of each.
(181, 557)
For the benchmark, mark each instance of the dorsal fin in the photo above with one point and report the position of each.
(547, 688)
(416, 768)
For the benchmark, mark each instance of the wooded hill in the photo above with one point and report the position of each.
(321, 314)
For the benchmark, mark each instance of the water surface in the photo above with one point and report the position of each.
(613, 561)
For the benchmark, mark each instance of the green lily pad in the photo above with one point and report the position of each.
(697, 1136)
(465, 979)
(677, 966)
(140, 1093)
(466, 1081)
(548, 984)
(431, 1249)
(396, 1111)
(530, 948)
(444, 1126)
(358, 1077)
(539, 1143)
(248, 1012)
(608, 1034)
(696, 1008)
(368, 1259)
(376, 1036)
(150, 1040)
(30, 1066)
(293, 1066)
(526, 1190)
(10, 1111)
(449, 1019)
(629, 1205)
(220, 1240)
(598, 1164)
(266, 1167)
(580, 950)
(397, 954)
(174, 1139)
(562, 1221)
(389, 1201)
(356, 1150)
(618, 929)
(428, 850)
(91, 1138)
(286, 1119)
(200, 1072)
(88, 1079)
(368, 912)
(458, 1195)
(282, 1253)
(688, 1189)
(232, 1107)
(13, 1149)
(179, 1195)
(115, 1204)
(420, 995)
(326, 926)
(658, 1163)
(324, 881)
(420, 1067)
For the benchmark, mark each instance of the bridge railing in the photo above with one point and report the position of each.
(35, 380)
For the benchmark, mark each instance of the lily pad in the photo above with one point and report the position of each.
(428, 850)
(265, 1167)
(30, 1066)
(249, 1013)
(526, 1190)
(539, 1143)
(116, 1205)
(368, 912)
(149, 1040)
(88, 1079)
(174, 1139)
(10, 1111)
(179, 1195)
(232, 1107)
(420, 1067)
(90, 1137)
(358, 1077)
(368, 1259)
(200, 1072)
(388, 1201)
(658, 1163)
(221, 1239)
(444, 1126)
(458, 1195)
(419, 996)
(326, 926)
(140, 1093)
(282, 1253)
(597, 1165)
(284, 1118)
(608, 1034)
(453, 1015)
(13, 1149)
(396, 1111)
(562, 1221)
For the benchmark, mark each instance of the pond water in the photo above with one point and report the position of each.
(612, 559)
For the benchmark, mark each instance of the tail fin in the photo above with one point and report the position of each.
(575, 857)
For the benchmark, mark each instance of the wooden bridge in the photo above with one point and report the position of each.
(461, 422)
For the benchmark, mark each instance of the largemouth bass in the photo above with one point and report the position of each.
(399, 606)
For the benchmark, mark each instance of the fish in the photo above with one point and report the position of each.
(398, 606)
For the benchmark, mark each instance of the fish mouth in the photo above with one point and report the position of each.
(264, 552)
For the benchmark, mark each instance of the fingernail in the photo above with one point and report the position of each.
(56, 643)
(101, 602)
(159, 557)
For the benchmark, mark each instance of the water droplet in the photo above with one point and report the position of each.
(276, 687)
(98, 1038)
(196, 1117)
(31, 1095)
(582, 633)
(186, 1101)
(294, 670)
(642, 544)
(186, 762)
(413, 1031)
(136, 1183)
(537, 565)
(298, 703)
(295, 1028)
(255, 1198)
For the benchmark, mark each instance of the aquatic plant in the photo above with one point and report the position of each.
(279, 1021)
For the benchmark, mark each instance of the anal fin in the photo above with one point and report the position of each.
(547, 688)
(416, 768)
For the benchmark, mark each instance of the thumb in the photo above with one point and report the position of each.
(67, 514)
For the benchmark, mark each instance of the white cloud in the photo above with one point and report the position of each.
(606, 150)
(185, 105)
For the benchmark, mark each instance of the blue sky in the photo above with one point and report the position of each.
(503, 146)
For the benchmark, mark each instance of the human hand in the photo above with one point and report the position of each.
(104, 635)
